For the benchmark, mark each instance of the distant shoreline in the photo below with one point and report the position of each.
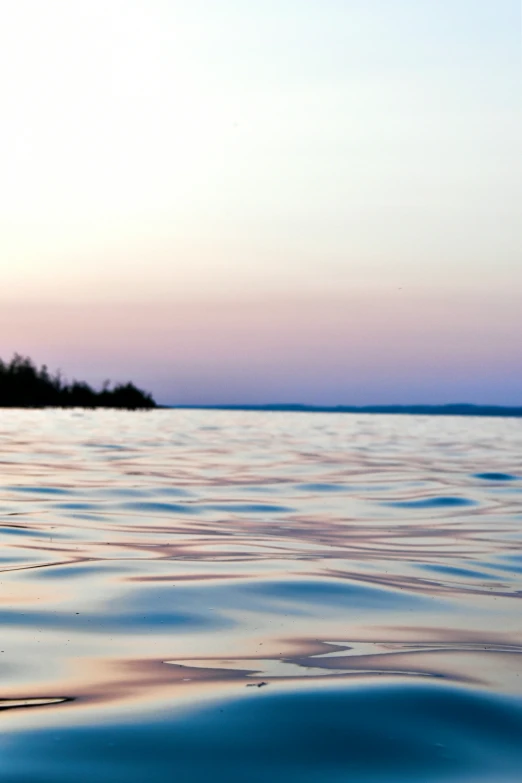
(481, 411)
(452, 409)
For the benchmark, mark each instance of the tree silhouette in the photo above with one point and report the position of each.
(23, 385)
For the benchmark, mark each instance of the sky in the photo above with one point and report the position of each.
(230, 201)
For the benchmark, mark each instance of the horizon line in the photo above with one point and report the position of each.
(448, 409)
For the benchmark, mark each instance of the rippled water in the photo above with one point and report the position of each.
(247, 597)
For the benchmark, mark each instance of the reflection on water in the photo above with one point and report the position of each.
(363, 571)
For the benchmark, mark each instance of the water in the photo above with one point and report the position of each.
(250, 597)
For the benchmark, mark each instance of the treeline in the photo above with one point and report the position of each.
(23, 385)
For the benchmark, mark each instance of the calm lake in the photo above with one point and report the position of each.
(240, 597)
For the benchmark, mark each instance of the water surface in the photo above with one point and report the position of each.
(252, 596)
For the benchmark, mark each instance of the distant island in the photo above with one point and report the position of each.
(451, 409)
(23, 385)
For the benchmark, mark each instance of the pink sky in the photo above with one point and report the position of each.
(398, 346)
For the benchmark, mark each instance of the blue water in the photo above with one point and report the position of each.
(242, 597)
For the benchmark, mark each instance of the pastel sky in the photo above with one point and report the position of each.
(233, 201)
